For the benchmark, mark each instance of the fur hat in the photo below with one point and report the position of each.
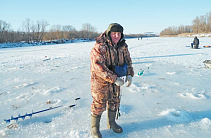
(115, 27)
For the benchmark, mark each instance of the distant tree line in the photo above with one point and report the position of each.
(200, 24)
(37, 32)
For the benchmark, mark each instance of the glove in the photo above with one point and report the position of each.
(119, 81)
(128, 80)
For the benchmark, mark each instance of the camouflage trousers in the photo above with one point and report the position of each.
(101, 100)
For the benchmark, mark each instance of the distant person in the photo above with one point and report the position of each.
(109, 53)
(195, 43)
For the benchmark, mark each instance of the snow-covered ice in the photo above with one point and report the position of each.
(171, 99)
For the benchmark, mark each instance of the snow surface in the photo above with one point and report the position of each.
(170, 100)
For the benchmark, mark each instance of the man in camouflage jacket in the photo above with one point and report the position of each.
(110, 50)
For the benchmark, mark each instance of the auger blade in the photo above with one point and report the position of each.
(7, 121)
(16, 119)
(29, 115)
(23, 117)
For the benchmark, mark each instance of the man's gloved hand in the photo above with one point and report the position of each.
(119, 81)
(129, 80)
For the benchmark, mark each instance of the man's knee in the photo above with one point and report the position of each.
(195, 46)
(98, 108)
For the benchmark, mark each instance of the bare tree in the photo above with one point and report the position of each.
(68, 28)
(196, 25)
(26, 27)
(4, 30)
(55, 32)
(88, 30)
(209, 22)
(33, 29)
(202, 24)
(41, 29)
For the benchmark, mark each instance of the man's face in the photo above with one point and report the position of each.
(115, 37)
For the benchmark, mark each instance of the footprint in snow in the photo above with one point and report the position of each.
(53, 101)
(175, 115)
(133, 88)
(147, 86)
(25, 85)
(78, 67)
(53, 90)
(194, 96)
(26, 96)
(137, 87)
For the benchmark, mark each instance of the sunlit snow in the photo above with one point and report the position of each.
(170, 100)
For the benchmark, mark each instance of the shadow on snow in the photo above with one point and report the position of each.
(177, 55)
(160, 122)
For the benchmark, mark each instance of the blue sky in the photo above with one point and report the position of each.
(136, 16)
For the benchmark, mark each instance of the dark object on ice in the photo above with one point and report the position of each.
(206, 46)
(30, 115)
(207, 63)
(195, 43)
(141, 72)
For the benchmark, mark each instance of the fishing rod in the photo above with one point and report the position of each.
(30, 114)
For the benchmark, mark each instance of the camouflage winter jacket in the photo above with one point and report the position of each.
(102, 56)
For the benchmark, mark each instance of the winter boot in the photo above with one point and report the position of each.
(111, 122)
(95, 126)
